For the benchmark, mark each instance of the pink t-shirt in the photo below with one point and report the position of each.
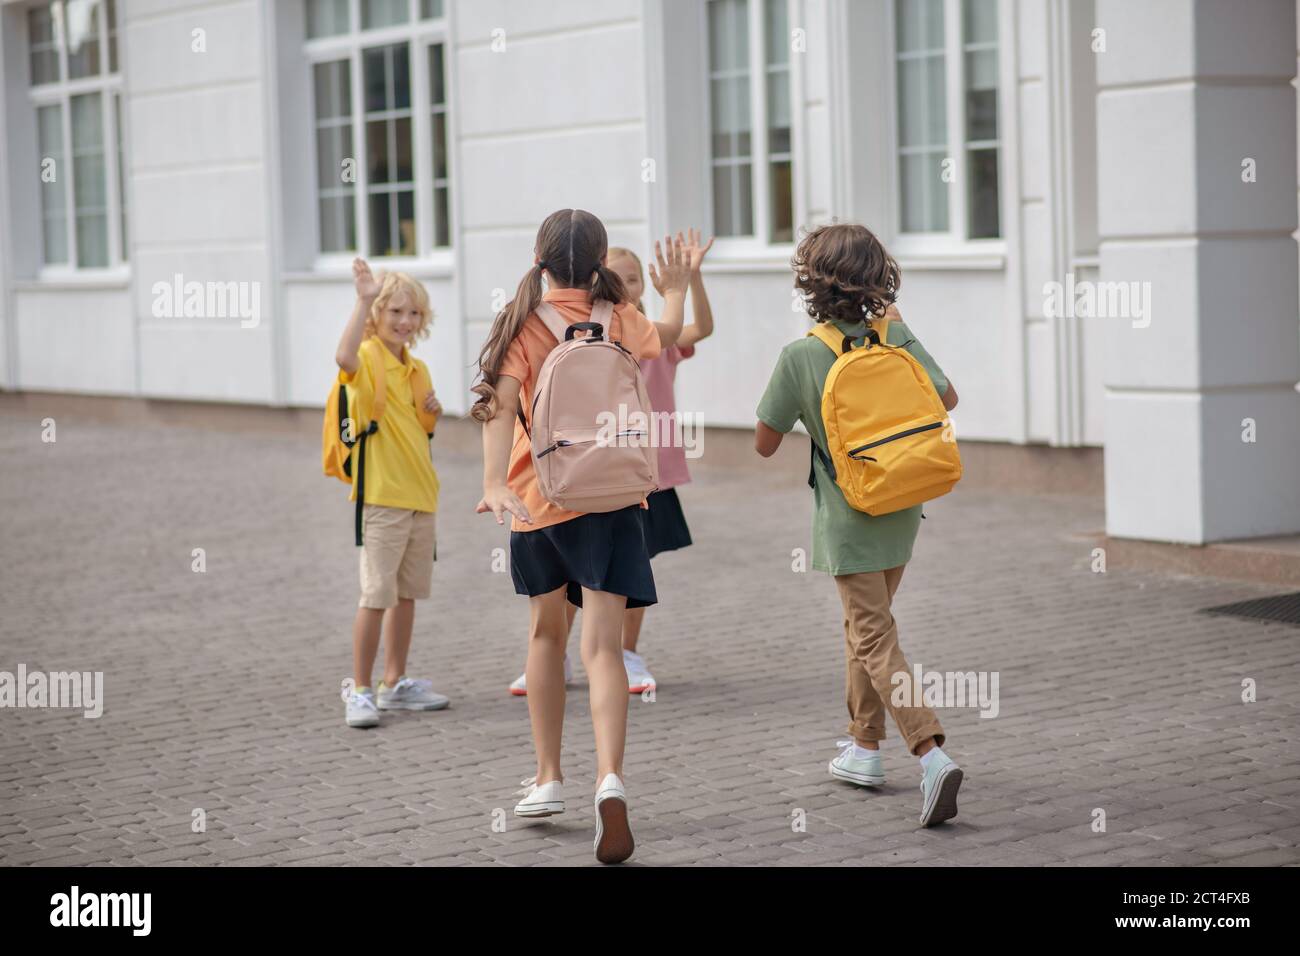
(659, 374)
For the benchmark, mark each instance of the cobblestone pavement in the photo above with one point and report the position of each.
(222, 687)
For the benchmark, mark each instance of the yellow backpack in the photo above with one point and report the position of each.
(885, 425)
(348, 425)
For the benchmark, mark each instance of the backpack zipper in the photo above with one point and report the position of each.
(565, 443)
(853, 452)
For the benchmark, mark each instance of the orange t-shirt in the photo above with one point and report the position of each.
(523, 363)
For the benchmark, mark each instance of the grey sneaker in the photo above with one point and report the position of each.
(410, 694)
(361, 710)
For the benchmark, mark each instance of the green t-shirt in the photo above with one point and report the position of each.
(845, 540)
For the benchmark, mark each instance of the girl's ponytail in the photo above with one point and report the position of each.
(607, 285)
(505, 328)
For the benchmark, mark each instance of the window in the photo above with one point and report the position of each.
(380, 113)
(947, 76)
(75, 91)
(751, 162)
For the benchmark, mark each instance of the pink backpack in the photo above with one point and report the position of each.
(591, 419)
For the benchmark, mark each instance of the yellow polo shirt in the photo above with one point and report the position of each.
(399, 470)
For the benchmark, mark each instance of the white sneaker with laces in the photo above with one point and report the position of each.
(864, 771)
(613, 833)
(639, 677)
(361, 710)
(519, 686)
(544, 801)
(411, 694)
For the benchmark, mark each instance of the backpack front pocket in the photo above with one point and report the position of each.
(908, 458)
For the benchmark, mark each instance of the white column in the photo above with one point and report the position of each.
(1195, 100)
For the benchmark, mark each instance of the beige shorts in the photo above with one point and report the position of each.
(397, 555)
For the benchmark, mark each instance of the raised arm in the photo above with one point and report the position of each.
(701, 326)
(671, 281)
(355, 332)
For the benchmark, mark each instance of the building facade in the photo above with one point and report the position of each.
(1093, 202)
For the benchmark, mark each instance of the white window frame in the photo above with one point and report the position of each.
(756, 247)
(60, 93)
(419, 35)
(954, 240)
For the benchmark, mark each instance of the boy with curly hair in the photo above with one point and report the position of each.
(847, 278)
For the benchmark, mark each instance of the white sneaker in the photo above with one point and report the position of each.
(410, 694)
(638, 677)
(613, 833)
(361, 710)
(544, 801)
(864, 771)
(519, 686)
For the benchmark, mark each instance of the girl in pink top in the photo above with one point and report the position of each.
(665, 525)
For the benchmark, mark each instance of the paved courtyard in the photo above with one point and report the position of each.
(222, 687)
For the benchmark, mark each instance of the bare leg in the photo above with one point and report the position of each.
(545, 674)
(398, 623)
(602, 632)
(632, 619)
(365, 643)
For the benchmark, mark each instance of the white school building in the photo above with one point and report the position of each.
(1093, 202)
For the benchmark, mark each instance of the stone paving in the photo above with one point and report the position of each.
(222, 687)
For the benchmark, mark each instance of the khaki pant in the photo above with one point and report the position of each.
(872, 657)
(397, 555)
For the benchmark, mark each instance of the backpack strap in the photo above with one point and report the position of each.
(379, 379)
(552, 319)
(830, 336)
(882, 328)
(602, 313)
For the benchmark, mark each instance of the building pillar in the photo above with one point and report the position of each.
(1196, 129)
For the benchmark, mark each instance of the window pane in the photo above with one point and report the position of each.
(919, 25)
(338, 227)
(437, 76)
(406, 222)
(333, 146)
(111, 11)
(440, 146)
(92, 240)
(922, 115)
(723, 207)
(922, 102)
(924, 193)
(778, 113)
(776, 32)
(333, 83)
(782, 199)
(982, 95)
(744, 184)
(982, 198)
(326, 17)
(82, 18)
(728, 34)
(430, 9)
(980, 21)
(121, 173)
(89, 188)
(42, 46)
(387, 75)
(49, 132)
(384, 13)
(441, 217)
(401, 94)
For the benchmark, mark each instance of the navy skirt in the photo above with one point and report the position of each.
(665, 525)
(603, 552)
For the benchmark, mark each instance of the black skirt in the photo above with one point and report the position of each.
(603, 552)
(665, 525)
